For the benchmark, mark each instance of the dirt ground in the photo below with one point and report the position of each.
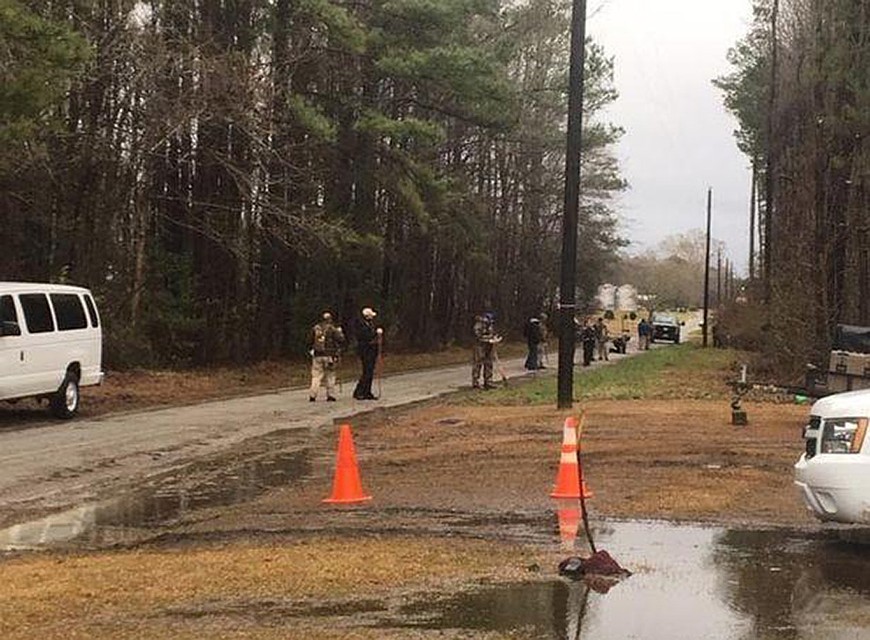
(664, 459)
(457, 489)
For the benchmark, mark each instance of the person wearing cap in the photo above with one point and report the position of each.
(327, 341)
(368, 345)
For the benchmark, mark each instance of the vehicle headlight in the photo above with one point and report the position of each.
(843, 435)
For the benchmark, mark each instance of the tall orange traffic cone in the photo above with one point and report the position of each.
(346, 486)
(568, 478)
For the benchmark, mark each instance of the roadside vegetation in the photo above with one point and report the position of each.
(685, 371)
(799, 90)
(219, 174)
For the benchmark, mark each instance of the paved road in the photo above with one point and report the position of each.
(57, 464)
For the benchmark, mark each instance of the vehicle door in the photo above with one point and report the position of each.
(77, 342)
(12, 380)
(43, 365)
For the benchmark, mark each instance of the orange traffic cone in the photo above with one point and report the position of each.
(346, 486)
(568, 478)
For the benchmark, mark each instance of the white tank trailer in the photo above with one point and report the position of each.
(607, 297)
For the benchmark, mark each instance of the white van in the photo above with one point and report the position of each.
(50, 343)
(833, 474)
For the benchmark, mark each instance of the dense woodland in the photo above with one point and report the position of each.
(801, 91)
(220, 171)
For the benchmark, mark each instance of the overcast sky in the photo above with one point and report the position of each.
(678, 137)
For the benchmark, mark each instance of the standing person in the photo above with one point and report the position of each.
(542, 345)
(643, 332)
(327, 341)
(484, 339)
(601, 339)
(532, 334)
(587, 339)
(368, 345)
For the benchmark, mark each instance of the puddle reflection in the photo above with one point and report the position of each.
(122, 519)
(689, 582)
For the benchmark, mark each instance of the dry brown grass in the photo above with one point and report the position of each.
(205, 592)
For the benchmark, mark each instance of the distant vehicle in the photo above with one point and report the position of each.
(50, 344)
(666, 328)
(833, 474)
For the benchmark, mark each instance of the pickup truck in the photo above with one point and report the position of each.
(833, 473)
(666, 328)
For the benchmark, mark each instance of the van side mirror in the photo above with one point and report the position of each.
(9, 328)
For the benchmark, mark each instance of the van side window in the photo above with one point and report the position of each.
(68, 311)
(37, 313)
(92, 311)
(7, 309)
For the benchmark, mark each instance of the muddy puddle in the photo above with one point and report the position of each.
(158, 504)
(688, 582)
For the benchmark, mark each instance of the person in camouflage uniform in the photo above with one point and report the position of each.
(484, 345)
(327, 341)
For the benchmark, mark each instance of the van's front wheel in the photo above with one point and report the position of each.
(65, 401)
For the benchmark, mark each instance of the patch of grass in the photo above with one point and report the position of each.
(685, 371)
(146, 593)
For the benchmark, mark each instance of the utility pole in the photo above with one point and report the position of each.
(567, 291)
(727, 279)
(718, 276)
(707, 265)
(752, 202)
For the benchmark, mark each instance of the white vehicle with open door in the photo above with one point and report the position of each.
(833, 474)
(50, 344)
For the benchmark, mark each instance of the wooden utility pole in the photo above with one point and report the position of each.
(707, 266)
(752, 202)
(567, 290)
(719, 276)
(728, 278)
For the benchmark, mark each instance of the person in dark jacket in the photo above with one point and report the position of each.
(533, 335)
(369, 339)
(588, 338)
(644, 331)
